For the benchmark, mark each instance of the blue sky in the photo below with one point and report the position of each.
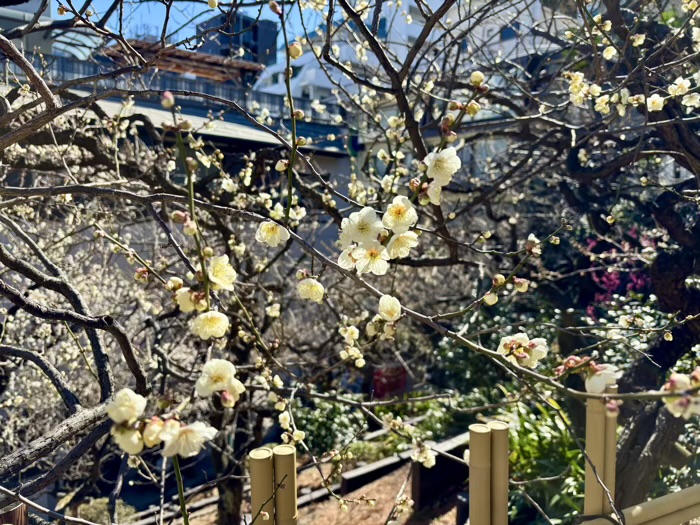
(143, 18)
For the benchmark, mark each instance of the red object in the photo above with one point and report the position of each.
(389, 381)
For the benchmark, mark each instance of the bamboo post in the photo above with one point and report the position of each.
(14, 514)
(285, 459)
(261, 484)
(479, 475)
(677, 517)
(610, 454)
(595, 450)
(499, 472)
(658, 509)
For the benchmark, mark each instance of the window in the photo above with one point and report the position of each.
(415, 12)
(382, 33)
(510, 31)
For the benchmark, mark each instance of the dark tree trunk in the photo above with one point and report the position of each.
(227, 456)
(645, 445)
(651, 432)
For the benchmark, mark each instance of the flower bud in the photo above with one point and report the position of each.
(477, 78)
(295, 50)
(227, 399)
(141, 275)
(448, 120)
(298, 114)
(173, 284)
(282, 165)
(213, 4)
(414, 184)
(302, 274)
(208, 251)
(423, 199)
(301, 141)
(454, 105)
(521, 285)
(61, 10)
(275, 7)
(190, 227)
(192, 164)
(168, 100)
(179, 217)
(450, 137)
(473, 108)
(490, 299)
(499, 279)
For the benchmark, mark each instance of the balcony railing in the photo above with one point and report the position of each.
(60, 69)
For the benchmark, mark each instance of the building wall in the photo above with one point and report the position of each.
(257, 39)
(16, 16)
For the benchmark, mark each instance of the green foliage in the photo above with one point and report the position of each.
(542, 447)
(436, 416)
(97, 511)
(371, 451)
(327, 425)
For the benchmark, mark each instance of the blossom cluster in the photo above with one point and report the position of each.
(520, 350)
(369, 243)
(597, 376)
(132, 432)
(686, 402)
(440, 168)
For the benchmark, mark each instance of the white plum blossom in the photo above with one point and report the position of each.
(273, 310)
(183, 298)
(126, 407)
(218, 375)
(609, 53)
(350, 334)
(691, 101)
(400, 215)
(210, 324)
(520, 350)
(361, 227)
(655, 102)
(187, 440)
(400, 245)
(600, 376)
(221, 274)
(371, 257)
(680, 86)
(346, 260)
(285, 420)
(128, 439)
(311, 289)
(271, 233)
(152, 431)
(423, 454)
(434, 193)
(442, 165)
(389, 308)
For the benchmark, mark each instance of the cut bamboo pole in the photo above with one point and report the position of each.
(657, 508)
(15, 514)
(285, 458)
(595, 450)
(262, 484)
(610, 454)
(499, 472)
(479, 475)
(676, 518)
